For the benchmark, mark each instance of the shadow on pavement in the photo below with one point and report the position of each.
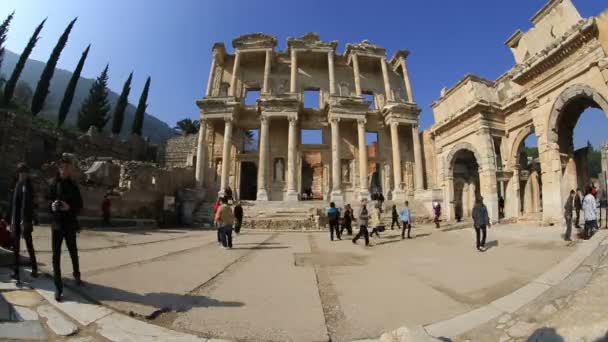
(549, 335)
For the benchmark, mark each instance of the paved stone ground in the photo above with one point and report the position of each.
(576, 309)
(286, 286)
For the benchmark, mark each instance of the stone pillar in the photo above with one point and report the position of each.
(262, 194)
(292, 194)
(210, 79)
(200, 155)
(418, 167)
(449, 200)
(406, 79)
(502, 189)
(398, 193)
(265, 89)
(226, 156)
(363, 164)
(551, 174)
(336, 186)
(294, 71)
(387, 84)
(330, 66)
(235, 70)
(357, 75)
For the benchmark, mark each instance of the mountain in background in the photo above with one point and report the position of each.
(157, 130)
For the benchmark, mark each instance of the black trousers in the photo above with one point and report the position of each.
(568, 233)
(348, 226)
(362, 232)
(226, 233)
(409, 229)
(26, 232)
(480, 232)
(333, 227)
(375, 231)
(57, 237)
(394, 222)
(578, 218)
(237, 224)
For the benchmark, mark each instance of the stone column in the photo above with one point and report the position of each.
(336, 184)
(398, 193)
(210, 79)
(267, 64)
(387, 84)
(262, 194)
(418, 167)
(357, 75)
(551, 174)
(292, 194)
(406, 79)
(200, 154)
(235, 70)
(502, 189)
(226, 156)
(363, 164)
(330, 66)
(294, 71)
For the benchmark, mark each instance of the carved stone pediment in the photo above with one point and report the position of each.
(365, 48)
(348, 105)
(279, 103)
(218, 105)
(310, 41)
(254, 41)
(401, 111)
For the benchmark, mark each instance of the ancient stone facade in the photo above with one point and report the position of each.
(179, 151)
(561, 69)
(359, 92)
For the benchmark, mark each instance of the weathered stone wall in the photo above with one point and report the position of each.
(14, 137)
(179, 151)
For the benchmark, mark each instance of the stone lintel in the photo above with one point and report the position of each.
(350, 105)
(472, 109)
(395, 60)
(254, 41)
(218, 107)
(288, 103)
(310, 42)
(365, 48)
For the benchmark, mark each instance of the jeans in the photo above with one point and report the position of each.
(26, 231)
(481, 240)
(333, 227)
(394, 222)
(57, 237)
(362, 232)
(226, 234)
(568, 227)
(589, 226)
(407, 225)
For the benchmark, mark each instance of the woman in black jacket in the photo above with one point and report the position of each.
(21, 218)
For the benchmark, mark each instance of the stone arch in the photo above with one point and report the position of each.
(522, 134)
(457, 148)
(572, 93)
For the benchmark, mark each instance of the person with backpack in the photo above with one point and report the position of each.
(395, 218)
(481, 220)
(406, 219)
(362, 220)
(347, 221)
(238, 218)
(21, 219)
(333, 216)
(65, 203)
(225, 219)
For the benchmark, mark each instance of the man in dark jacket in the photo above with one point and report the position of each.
(568, 207)
(238, 217)
(481, 221)
(65, 204)
(21, 217)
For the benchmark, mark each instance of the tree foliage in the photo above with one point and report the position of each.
(121, 106)
(138, 120)
(68, 96)
(9, 88)
(96, 107)
(42, 88)
(187, 126)
(3, 31)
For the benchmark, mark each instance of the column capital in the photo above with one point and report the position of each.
(264, 119)
(361, 121)
(334, 120)
(292, 120)
(228, 119)
(394, 123)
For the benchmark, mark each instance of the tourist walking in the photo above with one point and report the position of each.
(590, 213)
(216, 207)
(106, 207)
(333, 216)
(436, 213)
(481, 221)
(238, 217)
(21, 219)
(568, 208)
(225, 219)
(406, 220)
(395, 218)
(347, 221)
(362, 221)
(65, 204)
(376, 221)
(578, 205)
(501, 207)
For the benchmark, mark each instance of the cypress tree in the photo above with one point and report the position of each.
(138, 120)
(121, 105)
(9, 89)
(96, 107)
(68, 96)
(42, 89)
(3, 31)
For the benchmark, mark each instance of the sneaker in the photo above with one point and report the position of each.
(34, 274)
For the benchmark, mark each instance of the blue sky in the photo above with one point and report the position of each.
(171, 40)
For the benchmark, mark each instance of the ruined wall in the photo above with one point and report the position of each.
(179, 151)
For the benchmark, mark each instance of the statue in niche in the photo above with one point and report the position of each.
(408, 175)
(279, 170)
(346, 171)
(218, 169)
(283, 87)
(224, 89)
(343, 88)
